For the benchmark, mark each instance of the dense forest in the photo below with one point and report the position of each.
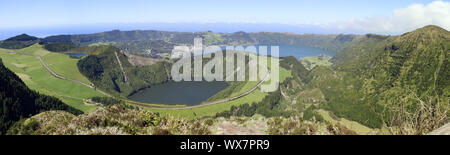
(59, 47)
(268, 107)
(19, 102)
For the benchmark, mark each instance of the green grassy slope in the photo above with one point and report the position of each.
(18, 101)
(38, 78)
(65, 66)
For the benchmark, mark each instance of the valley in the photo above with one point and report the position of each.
(59, 64)
(374, 84)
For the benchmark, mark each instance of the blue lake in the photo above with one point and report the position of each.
(292, 50)
(187, 93)
(78, 55)
(302, 51)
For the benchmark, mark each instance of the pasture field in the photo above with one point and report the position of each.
(65, 66)
(37, 78)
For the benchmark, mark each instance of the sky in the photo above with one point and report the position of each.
(299, 16)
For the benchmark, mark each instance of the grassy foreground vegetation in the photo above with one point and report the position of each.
(119, 120)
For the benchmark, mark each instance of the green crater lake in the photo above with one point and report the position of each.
(185, 92)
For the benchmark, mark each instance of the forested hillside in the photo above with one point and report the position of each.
(378, 76)
(104, 71)
(18, 42)
(18, 101)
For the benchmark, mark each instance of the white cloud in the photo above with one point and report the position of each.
(402, 20)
